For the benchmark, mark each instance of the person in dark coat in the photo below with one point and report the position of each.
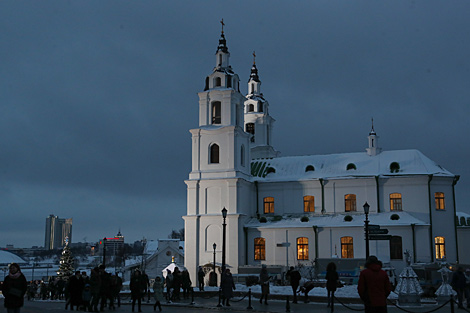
(75, 290)
(295, 278)
(264, 282)
(227, 285)
(332, 278)
(158, 287)
(458, 284)
(106, 291)
(95, 285)
(186, 283)
(137, 286)
(14, 288)
(177, 281)
(200, 278)
(374, 286)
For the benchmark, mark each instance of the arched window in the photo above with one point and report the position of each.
(394, 167)
(440, 200)
(216, 112)
(242, 155)
(218, 82)
(220, 59)
(252, 88)
(395, 202)
(214, 154)
(310, 168)
(251, 107)
(302, 248)
(347, 248)
(260, 106)
(396, 250)
(250, 128)
(260, 249)
(440, 247)
(229, 81)
(350, 203)
(309, 204)
(351, 166)
(268, 204)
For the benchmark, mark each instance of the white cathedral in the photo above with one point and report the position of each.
(285, 211)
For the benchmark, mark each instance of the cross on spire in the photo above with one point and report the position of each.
(223, 24)
(254, 57)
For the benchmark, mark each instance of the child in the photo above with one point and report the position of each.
(86, 297)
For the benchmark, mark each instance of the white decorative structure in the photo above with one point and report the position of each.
(408, 288)
(444, 292)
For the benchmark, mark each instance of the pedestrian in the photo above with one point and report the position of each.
(169, 285)
(295, 278)
(200, 278)
(137, 286)
(75, 290)
(86, 298)
(374, 286)
(177, 281)
(116, 282)
(264, 282)
(147, 287)
(227, 285)
(458, 283)
(14, 288)
(158, 287)
(186, 283)
(332, 278)
(106, 292)
(95, 286)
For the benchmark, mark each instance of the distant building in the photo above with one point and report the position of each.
(114, 249)
(57, 230)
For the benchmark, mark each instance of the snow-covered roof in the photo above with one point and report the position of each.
(337, 220)
(410, 162)
(8, 257)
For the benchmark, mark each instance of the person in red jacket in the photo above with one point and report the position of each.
(374, 286)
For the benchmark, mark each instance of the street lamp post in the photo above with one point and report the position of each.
(224, 215)
(104, 251)
(213, 274)
(366, 227)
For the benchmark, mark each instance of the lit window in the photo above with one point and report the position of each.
(302, 248)
(440, 247)
(250, 128)
(260, 249)
(350, 203)
(214, 154)
(216, 113)
(396, 250)
(440, 200)
(395, 202)
(268, 205)
(309, 204)
(347, 249)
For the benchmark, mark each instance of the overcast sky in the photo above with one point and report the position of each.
(97, 97)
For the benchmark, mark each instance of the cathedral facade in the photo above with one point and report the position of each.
(285, 211)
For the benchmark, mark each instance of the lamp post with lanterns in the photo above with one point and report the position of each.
(213, 274)
(104, 251)
(224, 231)
(366, 227)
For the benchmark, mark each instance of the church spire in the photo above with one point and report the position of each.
(254, 84)
(222, 41)
(222, 54)
(373, 142)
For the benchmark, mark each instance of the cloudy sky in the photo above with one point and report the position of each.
(97, 97)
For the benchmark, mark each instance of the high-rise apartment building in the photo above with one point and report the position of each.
(57, 231)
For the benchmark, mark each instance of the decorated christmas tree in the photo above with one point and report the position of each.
(66, 267)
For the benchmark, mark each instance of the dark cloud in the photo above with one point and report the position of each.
(97, 97)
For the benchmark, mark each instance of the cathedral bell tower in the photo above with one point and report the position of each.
(373, 142)
(258, 122)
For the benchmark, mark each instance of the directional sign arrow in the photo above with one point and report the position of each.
(372, 226)
(380, 237)
(382, 231)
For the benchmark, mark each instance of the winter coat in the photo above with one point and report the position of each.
(374, 285)
(332, 278)
(458, 280)
(227, 285)
(264, 281)
(186, 280)
(158, 287)
(75, 288)
(295, 278)
(14, 290)
(137, 286)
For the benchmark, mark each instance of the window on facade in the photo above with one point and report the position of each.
(302, 248)
(260, 249)
(216, 112)
(229, 82)
(440, 247)
(309, 204)
(250, 128)
(350, 203)
(440, 201)
(218, 82)
(260, 106)
(394, 167)
(310, 168)
(347, 249)
(396, 251)
(268, 205)
(214, 154)
(251, 107)
(351, 166)
(395, 202)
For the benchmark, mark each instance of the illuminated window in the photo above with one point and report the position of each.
(309, 204)
(214, 154)
(347, 249)
(216, 113)
(396, 250)
(268, 205)
(302, 248)
(440, 201)
(260, 249)
(350, 203)
(250, 128)
(395, 202)
(440, 247)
